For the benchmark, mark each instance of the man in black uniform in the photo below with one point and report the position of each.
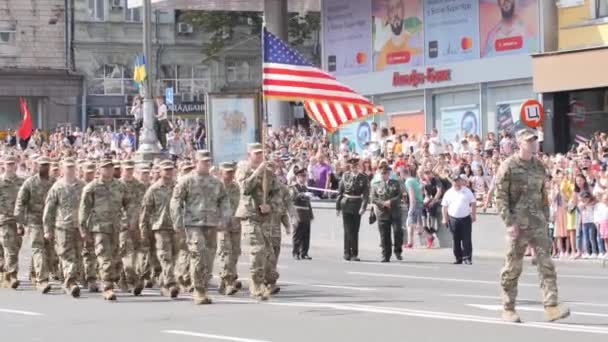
(304, 215)
(353, 194)
(386, 196)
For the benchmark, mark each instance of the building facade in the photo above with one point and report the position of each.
(572, 78)
(35, 64)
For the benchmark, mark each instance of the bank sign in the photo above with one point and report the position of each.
(415, 78)
(187, 108)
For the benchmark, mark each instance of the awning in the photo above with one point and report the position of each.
(570, 70)
(299, 6)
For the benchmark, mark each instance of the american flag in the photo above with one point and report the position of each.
(289, 76)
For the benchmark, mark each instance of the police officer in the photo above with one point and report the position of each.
(353, 194)
(521, 199)
(303, 217)
(386, 196)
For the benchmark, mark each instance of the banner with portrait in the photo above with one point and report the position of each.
(358, 132)
(508, 118)
(233, 123)
(451, 31)
(458, 121)
(397, 34)
(508, 27)
(347, 36)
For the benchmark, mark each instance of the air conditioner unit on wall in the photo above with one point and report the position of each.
(184, 28)
(117, 4)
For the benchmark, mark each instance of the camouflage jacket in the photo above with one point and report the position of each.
(387, 191)
(30, 200)
(101, 206)
(252, 193)
(282, 209)
(136, 191)
(155, 213)
(62, 204)
(200, 201)
(9, 187)
(521, 197)
(234, 195)
(353, 193)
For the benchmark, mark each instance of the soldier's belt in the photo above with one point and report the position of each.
(299, 207)
(353, 196)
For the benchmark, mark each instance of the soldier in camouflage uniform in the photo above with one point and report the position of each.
(521, 199)
(386, 195)
(155, 219)
(199, 205)
(28, 212)
(149, 266)
(255, 215)
(279, 217)
(230, 236)
(99, 218)
(10, 233)
(89, 260)
(61, 224)
(353, 194)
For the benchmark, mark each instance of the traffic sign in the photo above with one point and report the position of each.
(532, 113)
(169, 96)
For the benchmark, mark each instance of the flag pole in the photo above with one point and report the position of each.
(264, 118)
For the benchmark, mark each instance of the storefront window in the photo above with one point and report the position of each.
(112, 79)
(588, 112)
(503, 103)
(456, 114)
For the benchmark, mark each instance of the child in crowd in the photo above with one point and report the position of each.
(586, 207)
(601, 219)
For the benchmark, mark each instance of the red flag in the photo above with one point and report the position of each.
(25, 129)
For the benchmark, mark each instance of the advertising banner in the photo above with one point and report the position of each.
(397, 34)
(411, 123)
(456, 121)
(508, 27)
(358, 132)
(451, 31)
(347, 36)
(507, 117)
(233, 122)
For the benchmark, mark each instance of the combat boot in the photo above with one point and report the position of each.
(13, 283)
(139, 287)
(75, 291)
(108, 294)
(222, 287)
(273, 289)
(258, 292)
(200, 298)
(92, 286)
(557, 312)
(238, 285)
(44, 287)
(173, 292)
(511, 316)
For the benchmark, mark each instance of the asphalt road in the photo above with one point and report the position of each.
(423, 298)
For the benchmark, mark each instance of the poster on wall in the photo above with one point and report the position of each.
(508, 27)
(397, 34)
(457, 121)
(508, 118)
(347, 36)
(233, 122)
(411, 123)
(358, 132)
(451, 31)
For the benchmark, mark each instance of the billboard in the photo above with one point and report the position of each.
(347, 36)
(451, 31)
(507, 116)
(508, 27)
(456, 121)
(358, 132)
(397, 34)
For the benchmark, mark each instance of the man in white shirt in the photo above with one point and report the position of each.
(459, 213)
(162, 126)
(435, 145)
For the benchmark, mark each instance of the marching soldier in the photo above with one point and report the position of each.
(386, 195)
(89, 260)
(28, 212)
(230, 236)
(199, 205)
(11, 234)
(282, 206)
(303, 217)
(353, 194)
(61, 224)
(99, 218)
(149, 266)
(521, 199)
(255, 215)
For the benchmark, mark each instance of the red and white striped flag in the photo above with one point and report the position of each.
(289, 76)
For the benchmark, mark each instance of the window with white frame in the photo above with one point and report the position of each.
(113, 79)
(7, 37)
(601, 8)
(186, 79)
(97, 9)
(133, 14)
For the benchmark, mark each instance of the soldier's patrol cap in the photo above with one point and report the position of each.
(128, 164)
(255, 147)
(227, 167)
(54, 166)
(68, 162)
(167, 165)
(89, 167)
(143, 168)
(187, 167)
(204, 155)
(9, 160)
(526, 134)
(116, 164)
(43, 161)
(105, 163)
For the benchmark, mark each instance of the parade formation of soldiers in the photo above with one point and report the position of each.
(102, 225)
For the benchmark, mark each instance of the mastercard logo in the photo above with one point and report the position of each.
(466, 43)
(361, 57)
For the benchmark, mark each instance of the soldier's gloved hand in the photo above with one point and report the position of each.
(48, 236)
(513, 231)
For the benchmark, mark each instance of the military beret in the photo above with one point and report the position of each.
(228, 166)
(203, 155)
(167, 165)
(526, 134)
(105, 163)
(68, 162)
(255, 147)
(128, 164)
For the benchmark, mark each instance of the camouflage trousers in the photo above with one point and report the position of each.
(10, 244)
(129, 263)
(88, 269)
(42, 254)
(261, 254)
(230, 250)
(271, 274)
(167, 251)
(150, 266)
(108, 255)
(202, 245)
(516, 248)
(182, 263)
(68, 245)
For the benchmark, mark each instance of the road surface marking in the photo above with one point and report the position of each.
(534, 309)
(330, 286)
(454, 280)
(572, 276)
(211, 336)
(441, 315)
(20, 312)
(397, 264)
(599, 305)
(242, 263)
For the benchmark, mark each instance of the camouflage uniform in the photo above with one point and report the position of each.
(89, 260)
(230, 241)
(282, 205)
(521, 199)
(28, 212)
(100, 213)
(256, 226)
(199, 204)
(10, 242)
(61, 219)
